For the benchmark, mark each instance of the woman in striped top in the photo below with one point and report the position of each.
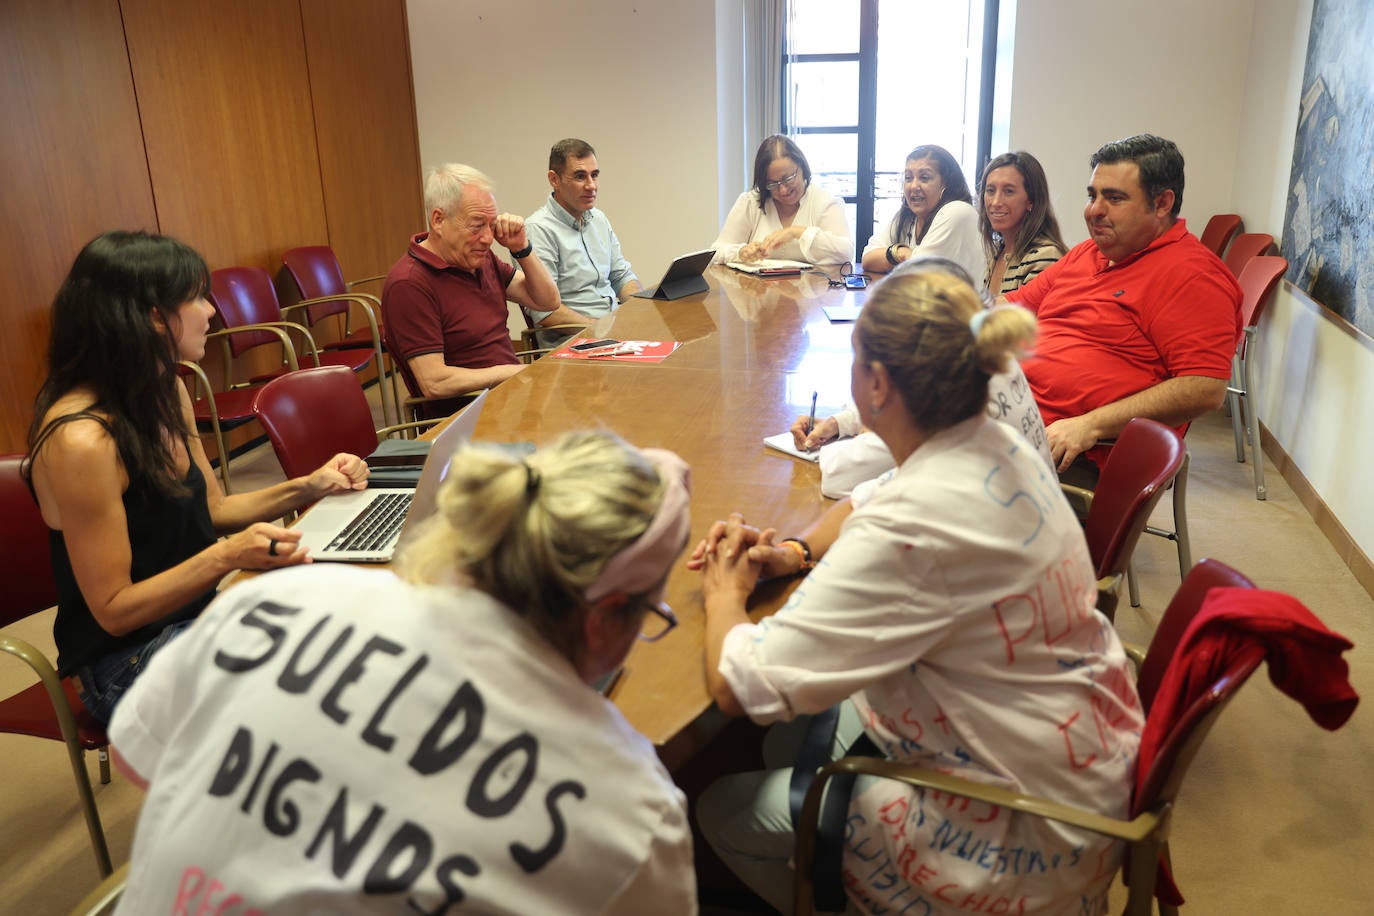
(1020, 232)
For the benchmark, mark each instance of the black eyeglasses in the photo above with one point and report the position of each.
(658, 622)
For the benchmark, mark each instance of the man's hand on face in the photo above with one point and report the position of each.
(509, 231)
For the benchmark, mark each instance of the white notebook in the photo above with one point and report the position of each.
(783, 442)
(767, 266)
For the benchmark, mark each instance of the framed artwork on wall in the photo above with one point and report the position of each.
(1328, 229)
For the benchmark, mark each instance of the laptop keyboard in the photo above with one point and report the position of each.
(377, 527)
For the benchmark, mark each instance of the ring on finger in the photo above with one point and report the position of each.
(272, 547)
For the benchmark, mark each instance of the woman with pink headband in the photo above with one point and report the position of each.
(337, 739)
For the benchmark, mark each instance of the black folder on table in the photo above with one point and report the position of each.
(683, 278)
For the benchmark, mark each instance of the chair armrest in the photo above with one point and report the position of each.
(105, 895)
(52, 684)
(528, 335)
(1135, 653)
(279, 328)
(386, 432)
(368, 304)
(529, 356)
(1148, 825)
(361, 280)
(458, 400)
(201, 378)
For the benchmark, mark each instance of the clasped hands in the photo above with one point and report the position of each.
(757, 251)
(734, 556)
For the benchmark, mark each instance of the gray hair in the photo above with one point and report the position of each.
(444, 186)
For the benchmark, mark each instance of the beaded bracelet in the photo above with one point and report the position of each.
(803, 550)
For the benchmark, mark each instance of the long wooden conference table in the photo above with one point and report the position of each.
(753, 353)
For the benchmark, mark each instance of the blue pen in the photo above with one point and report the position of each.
(811, 420)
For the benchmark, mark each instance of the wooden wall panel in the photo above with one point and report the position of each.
(73, 167)
(227, 122)
(358, 52)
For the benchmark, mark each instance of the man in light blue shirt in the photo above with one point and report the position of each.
(575, 240)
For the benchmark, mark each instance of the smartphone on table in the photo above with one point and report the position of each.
(599, 345)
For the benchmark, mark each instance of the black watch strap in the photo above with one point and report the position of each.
(522, 253)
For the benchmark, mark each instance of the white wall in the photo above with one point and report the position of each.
(1314, 373)
(496, 84)
(1087, 72)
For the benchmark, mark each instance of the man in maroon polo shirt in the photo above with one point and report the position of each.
(1139, 321)
(444, 302)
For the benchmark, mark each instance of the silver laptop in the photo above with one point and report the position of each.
(365, 526)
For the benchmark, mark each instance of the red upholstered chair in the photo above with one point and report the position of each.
(1146, 458)
(314, 414)
(50, 708)
(1246, 246)
(1258, 279)
(1152, 809)
(246, 303)
(1219, 232)
(313, 283)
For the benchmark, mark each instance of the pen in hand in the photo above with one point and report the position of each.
(811, 418)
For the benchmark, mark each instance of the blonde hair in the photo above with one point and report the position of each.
(918, 323)
(444, 186)
(535, 532)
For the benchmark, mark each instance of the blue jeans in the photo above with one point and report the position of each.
(104, 680)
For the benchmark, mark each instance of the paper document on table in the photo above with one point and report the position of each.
(784, 442)
(770, 267)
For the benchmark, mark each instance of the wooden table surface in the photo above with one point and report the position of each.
(753, 352)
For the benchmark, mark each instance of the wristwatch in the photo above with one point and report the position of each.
(525, 252)
(891, 258)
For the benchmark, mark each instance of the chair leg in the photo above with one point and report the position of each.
(1185, 546)
(1132, 584)
(1252, 423)
(1233, 395)
(103, 756)
(88, 808)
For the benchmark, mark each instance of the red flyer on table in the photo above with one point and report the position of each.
(629, 351)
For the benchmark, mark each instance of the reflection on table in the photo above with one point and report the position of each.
(751, 358)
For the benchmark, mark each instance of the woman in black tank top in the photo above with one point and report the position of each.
(123, 482)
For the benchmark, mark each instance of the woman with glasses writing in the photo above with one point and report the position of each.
(336, 739)
(951, 617)
(784, 215)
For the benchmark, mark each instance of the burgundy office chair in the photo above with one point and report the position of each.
(1146, 458)
(312, 415)
(1147, 831)
(246, 302)
(312, 281)
(1220, 229)
(50, 708)
(1248, 245)
(1258, 280)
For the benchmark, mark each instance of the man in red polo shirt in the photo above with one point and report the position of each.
(444, 302)
(1139, 321)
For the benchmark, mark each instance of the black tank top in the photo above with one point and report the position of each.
(163, 531)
